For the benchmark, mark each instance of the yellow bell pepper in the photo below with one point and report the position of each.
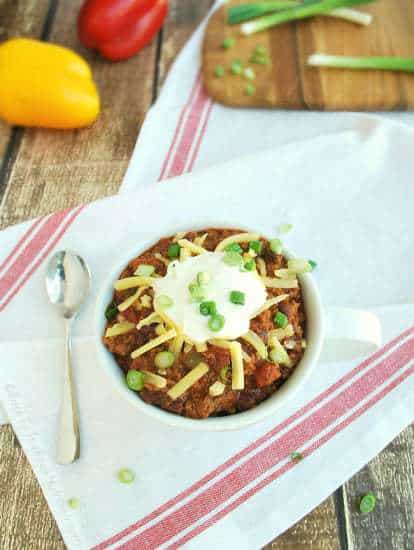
(45, 85)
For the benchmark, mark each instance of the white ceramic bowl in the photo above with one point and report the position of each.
(314, 337)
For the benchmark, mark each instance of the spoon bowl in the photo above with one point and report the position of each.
(67, 282)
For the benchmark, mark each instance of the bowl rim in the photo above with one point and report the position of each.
(314, 311)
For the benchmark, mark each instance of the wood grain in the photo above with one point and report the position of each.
(318, 531)
(287, 82)
(56, 169)
(390, 476)
(18, 18)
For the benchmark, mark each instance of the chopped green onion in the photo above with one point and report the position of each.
(285, 228)
(216, 322)
(197, 292)
(276, 246)
(224, 373)
(256, 246)
(234, 247)
(135, 380)
(219, 71)
(250, 265)
(367, 503)
(164, 359)
(279, 355)
(250, 89)
(259, 59)
(203, 278)
(249, 73)
(244, 12)
(228, 43)
(164, 301)
(280, 320)
(174, 250)
(111, 311)
(313, 264)
(296, 456)
(237, 66)
(144, 270)
(302, 11)
(381, 63)
(73, 503)
(237, 297)
(260, 50)
(208, 308)
(233, 258)
(297, 265)
(125, 475)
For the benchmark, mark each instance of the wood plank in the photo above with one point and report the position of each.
(317, 531)
(57, 169)
(18, 18)
(184, 16)
(25, 520)
(288, 82)
(390, 476)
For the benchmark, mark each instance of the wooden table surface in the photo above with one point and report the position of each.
(42, 171)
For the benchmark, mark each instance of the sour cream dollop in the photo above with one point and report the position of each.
(223, 280)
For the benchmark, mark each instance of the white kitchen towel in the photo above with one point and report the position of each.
(349, 196)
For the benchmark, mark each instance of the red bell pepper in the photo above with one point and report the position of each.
(118, 29)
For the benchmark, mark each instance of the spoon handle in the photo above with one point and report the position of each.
(68, 441)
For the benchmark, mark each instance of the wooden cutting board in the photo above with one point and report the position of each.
(286, 82)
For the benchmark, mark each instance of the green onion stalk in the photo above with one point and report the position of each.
(381, 63)
(303, 11)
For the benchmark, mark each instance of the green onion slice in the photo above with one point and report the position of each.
(237, 297)
(250, 89)
(164, 359)
(233, 259)
(236, 66)
(228, 43)
(281, 320)
(208, 308)
(73, 503)
(174, 250)
(367, 503)
(126, 475)
(144, 270)
(164, 301)
(135, 380)
(111, 311)
(296, 456)
(219, 71)
(216, 322)
(276, 246)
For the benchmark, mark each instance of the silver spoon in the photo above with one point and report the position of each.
(67, 283)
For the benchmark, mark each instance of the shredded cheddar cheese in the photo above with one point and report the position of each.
(279, 283)
(149, 320)
(153, 343)
(188, 380)
(129, 301)
(271, 302)
(118, 329)
(132, 282)
(238, 238)
(256, 342)
(193, 248)
(237, 370)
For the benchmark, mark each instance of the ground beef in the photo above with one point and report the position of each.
(262, 378)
